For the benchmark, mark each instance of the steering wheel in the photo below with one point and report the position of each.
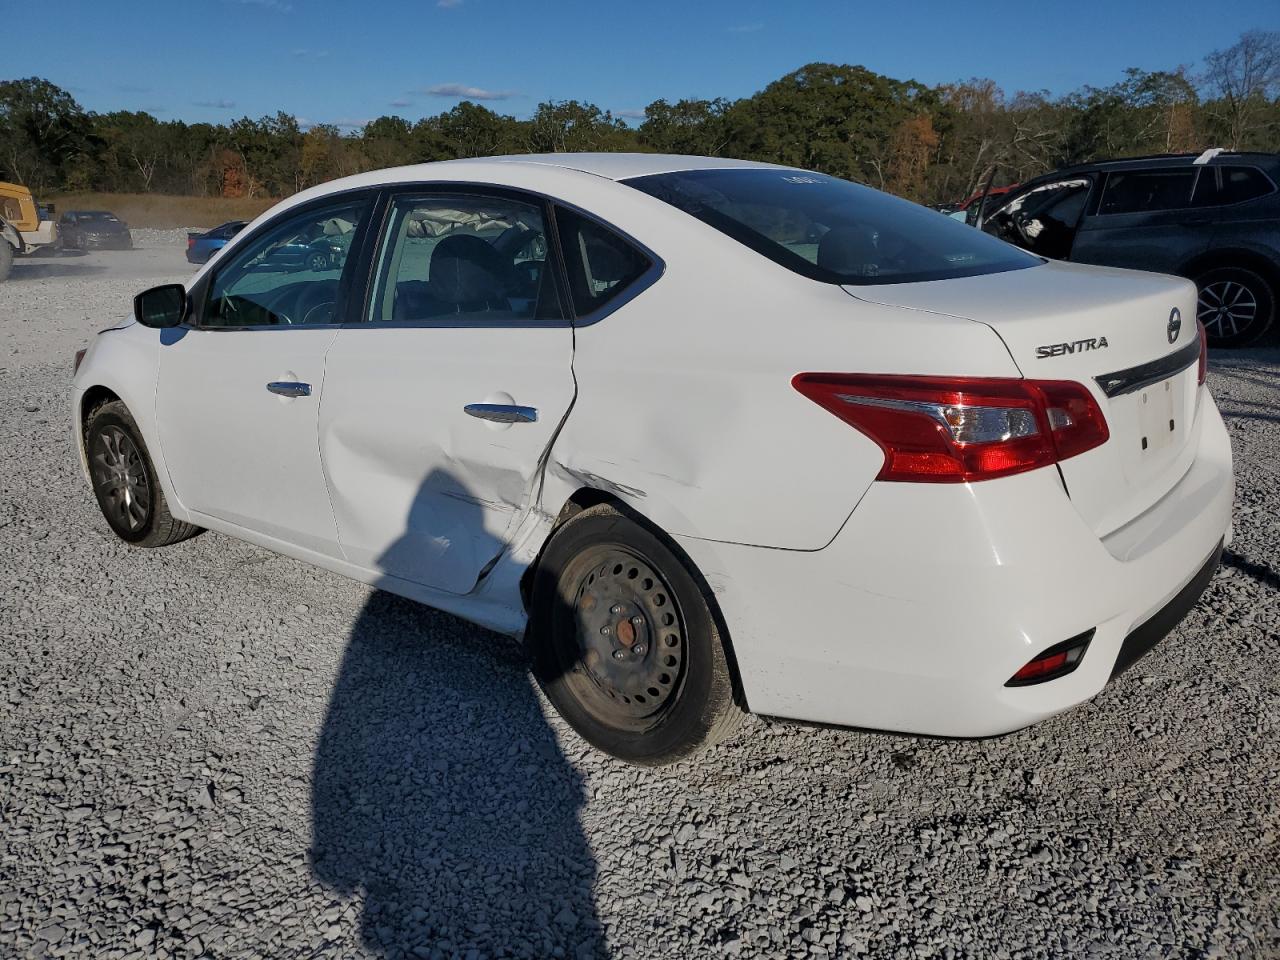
(316, 302)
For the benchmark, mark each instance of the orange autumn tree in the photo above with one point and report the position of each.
(912, 146)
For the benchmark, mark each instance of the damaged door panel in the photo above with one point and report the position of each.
(445, 399)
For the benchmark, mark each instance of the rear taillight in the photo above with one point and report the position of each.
(191, 242)
(1057, 661)
(1203, 370)
(961, 429)
(79, 360)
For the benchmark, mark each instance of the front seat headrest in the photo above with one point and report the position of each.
(848, 250)
(466, 269)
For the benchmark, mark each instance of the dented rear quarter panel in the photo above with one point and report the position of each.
(685, 409)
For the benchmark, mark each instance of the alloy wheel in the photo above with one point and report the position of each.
(1227, 308)
(120, 479)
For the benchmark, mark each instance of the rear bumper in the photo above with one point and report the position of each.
(933, 595)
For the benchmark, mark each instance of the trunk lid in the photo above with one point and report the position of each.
(1130, 337)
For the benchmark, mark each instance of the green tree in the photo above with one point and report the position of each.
(835, 118)
(697, 127)
(571, 125)
(42, 132)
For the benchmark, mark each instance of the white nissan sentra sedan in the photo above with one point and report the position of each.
(711, 436)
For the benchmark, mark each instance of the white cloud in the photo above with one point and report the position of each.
(400, 104)
(629, 114)
(462, 91)
(217, 104)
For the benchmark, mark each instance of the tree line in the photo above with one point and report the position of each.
(932, 144)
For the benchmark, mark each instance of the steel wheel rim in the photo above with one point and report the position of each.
(1227, 304)
(120, 479)
(629, 639)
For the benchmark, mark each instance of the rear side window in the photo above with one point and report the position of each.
(1242, 183)
(467, 259)
(830, 229)
(1147, 191)
(601, 264)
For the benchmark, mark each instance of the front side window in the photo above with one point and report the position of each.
(601, 264)
(475, 259)
(1147, 191)
(290, 274)
(830, 229)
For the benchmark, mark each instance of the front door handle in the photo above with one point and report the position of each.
(502, 412)
(289, 388)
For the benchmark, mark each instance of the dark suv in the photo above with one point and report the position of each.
(1213, 217)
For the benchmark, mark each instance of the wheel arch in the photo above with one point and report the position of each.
(1232, 257)
(584, 498)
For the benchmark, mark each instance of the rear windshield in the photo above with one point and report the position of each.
(833, 230)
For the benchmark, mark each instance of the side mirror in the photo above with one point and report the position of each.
(161, 307)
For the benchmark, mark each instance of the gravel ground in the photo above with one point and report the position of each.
(213, 751)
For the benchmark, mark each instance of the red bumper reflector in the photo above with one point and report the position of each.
(1057, 661)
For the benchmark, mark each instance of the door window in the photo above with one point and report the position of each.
(291, 274)
(601, 264)
(1219, 186)
(1044, 218)
(474, 259)
(1147, 191)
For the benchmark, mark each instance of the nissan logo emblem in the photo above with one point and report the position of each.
(1175, 324)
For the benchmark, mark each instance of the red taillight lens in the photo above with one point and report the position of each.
(1057, 661)
(1203, 370)
(191, 242)
(960, 429)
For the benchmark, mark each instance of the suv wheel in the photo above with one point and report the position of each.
(1236, 306)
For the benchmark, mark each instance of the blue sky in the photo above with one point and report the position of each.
(346, 62)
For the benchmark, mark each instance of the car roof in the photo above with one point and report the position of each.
(1158, 161)
(623, 166)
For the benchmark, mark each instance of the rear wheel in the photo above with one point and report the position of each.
(1236, 306)
(6, 259)
(124, 480)
(625, 643)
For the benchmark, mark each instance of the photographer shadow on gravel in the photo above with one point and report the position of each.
(439, 792)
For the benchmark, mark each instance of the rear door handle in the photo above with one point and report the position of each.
(289, 388)
(502, 412)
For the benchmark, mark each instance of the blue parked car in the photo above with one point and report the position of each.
(202, 246)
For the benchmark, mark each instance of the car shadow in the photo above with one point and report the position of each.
(44, 269)
(442, 806)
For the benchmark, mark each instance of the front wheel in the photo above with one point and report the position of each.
(318, 262)
(124, 480)
(1236, 306)
(625, 643)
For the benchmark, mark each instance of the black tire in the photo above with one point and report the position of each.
(124, 480)
(6, 259)
(317, 262)
(1236, 306)
(601, 573)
